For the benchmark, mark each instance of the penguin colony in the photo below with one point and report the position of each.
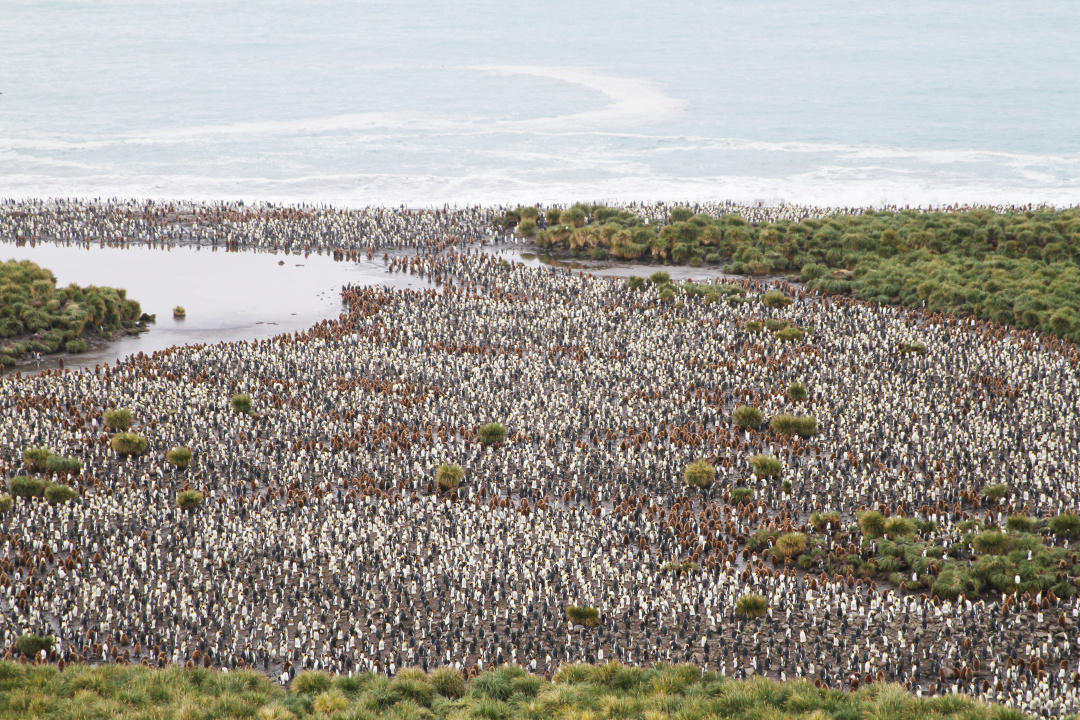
(323, 541)
(264, 226)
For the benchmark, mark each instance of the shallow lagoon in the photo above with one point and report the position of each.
(228, 296)
(248, 295)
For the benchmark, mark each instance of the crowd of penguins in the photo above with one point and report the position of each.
(324, 542)
(345, 232)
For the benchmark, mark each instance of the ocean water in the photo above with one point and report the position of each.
(426, 103)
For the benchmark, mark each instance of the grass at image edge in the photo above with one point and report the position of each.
(508, 692)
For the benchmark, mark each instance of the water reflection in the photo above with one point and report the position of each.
(228, 296)
(610, 267)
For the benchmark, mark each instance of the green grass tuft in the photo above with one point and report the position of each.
(751, 606)
(119, 419)
(587, 616)
(189, 499)
(775, 299)
(241, 403)
(699, 474)
(766, 465)
(491, 433)
(448, 476)
(747, 416)
(179, 457)
(128, 443)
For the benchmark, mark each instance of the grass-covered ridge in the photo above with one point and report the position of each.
(1018, 268)
(36, 316)
(578, 692)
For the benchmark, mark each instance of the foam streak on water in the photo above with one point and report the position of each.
(427, 103)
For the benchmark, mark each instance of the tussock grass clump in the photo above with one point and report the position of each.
(634, 282)
(179, 457)
(413, 686)
(740, 495)
(75, 346)
(31, 645)
(790, 334)
(751, 606)
(766, 466)
(899, 527)
(179, 312)
(526, 227)
(699, 474)
(776, 325)
(128, 443)
(1014, 572)
(448, 682)
(491, 687)
(954, 582)
(310, 682)
(36, 457)
(509, 219)
(806, 426)
(449, 476)
(329, 703)
(660, 277)
(1020, 524)
(491, 433)
(784, 424)
(56, 493)
(674, 566)
(241, 403)
(189, 499)
(587, 616)
(119, 419)
(6, 502)
(992, 542)
(775, 299)
(666, 295)
(913, 348)
(872, 524)
(754, 326)
(747, 416)
(789, 545)
(502, 685)
(813, 271)
(821, 521)
(575, 217)
(63, 465)
(996, 491)
(24, 486)
(796, 391)
(1065, 523)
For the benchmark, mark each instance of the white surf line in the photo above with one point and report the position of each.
(633, 102)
